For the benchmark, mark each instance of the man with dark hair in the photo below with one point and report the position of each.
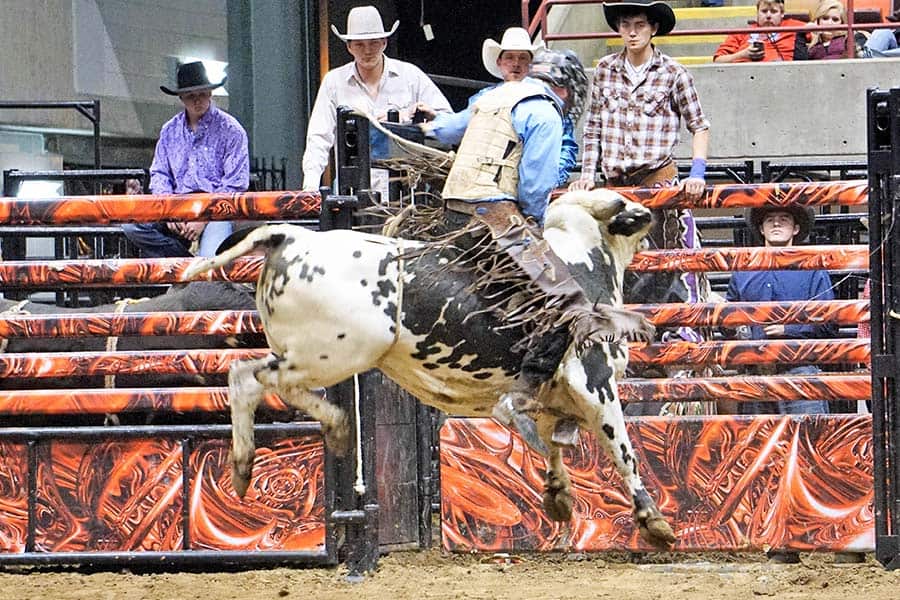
(201, 149)
(639, 98)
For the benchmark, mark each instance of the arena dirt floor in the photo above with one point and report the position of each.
(432, 574)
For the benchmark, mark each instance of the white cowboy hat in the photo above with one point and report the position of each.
(514, 38)
(364, 23)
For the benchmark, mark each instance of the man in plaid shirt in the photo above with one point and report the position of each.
(638, 100)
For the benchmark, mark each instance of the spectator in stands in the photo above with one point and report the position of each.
(828, 44)
(372, 81)
(884, 43)
(510, 60)
(201, 149)
(782, 227)
(764, 47)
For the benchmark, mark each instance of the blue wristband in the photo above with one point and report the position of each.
(698, 168)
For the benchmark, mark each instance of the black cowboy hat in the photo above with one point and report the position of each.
(804, 216)
(192, 78)
(657, 11)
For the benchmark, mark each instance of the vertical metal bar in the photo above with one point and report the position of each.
(424, 446)
(96, 121)
(186, 448)
(31, 450)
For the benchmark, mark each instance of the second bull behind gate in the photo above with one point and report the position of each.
(413, 318)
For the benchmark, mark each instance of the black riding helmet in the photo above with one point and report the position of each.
(562, 68)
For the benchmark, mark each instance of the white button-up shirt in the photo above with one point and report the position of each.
(402, 86)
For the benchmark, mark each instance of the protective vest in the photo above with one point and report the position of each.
(487, 162)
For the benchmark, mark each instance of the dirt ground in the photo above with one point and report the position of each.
(433, 574)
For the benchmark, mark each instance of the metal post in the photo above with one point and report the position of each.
(883, 110)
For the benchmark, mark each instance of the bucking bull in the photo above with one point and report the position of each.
(341, 302)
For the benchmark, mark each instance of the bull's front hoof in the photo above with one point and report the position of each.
(240, 480)
(557, 499)
(656, 532)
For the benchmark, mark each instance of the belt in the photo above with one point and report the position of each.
(636, 177)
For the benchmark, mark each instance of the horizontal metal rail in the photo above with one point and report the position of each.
(752, 352)
(734, 314)
(236, 322)
(125, 272)
(743, 388)
(149, 208)
(755, 352)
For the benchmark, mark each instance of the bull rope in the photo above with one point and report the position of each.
(359, 485)
(112, 342)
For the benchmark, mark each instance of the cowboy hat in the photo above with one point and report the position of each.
(803, 216)
(364, 23)
(514, 38)
(191, 77)
(657, 12)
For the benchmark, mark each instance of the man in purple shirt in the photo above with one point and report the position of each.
(201, 149)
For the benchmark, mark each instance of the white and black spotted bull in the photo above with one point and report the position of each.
(341, 302)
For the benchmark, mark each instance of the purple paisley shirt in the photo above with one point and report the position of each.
(212, 159)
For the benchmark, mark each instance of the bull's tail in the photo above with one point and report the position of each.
(267, 235)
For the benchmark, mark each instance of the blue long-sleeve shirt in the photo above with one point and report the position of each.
(539, 126)
(569, 153)
(774, 286)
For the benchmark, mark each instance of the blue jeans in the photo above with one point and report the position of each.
(791, 407)
(881, 44)
(155, 240)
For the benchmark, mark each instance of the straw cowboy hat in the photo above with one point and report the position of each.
(364, 23)
(803, 216)
(657, 11)
(191, 78)
(514, 38)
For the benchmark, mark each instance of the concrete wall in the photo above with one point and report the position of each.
(797, 109)
(115, 50)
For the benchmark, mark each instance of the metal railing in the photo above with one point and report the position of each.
(540, 20)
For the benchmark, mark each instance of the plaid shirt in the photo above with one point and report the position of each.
(637, 128)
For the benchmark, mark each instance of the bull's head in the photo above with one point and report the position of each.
(602, 217)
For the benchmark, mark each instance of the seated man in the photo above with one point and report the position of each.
(782, 227)
(201, 149)
(765, 47)
(884, 43)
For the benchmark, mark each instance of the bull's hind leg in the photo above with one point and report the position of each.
(287, 377)
(244, 394)
(590, 381)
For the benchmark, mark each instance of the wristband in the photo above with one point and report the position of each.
(698, 168)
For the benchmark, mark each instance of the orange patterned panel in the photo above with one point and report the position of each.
(723, 483)
(148, 208)
(108, 496)
(128, 496)
(13, 496)
(284, 509)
